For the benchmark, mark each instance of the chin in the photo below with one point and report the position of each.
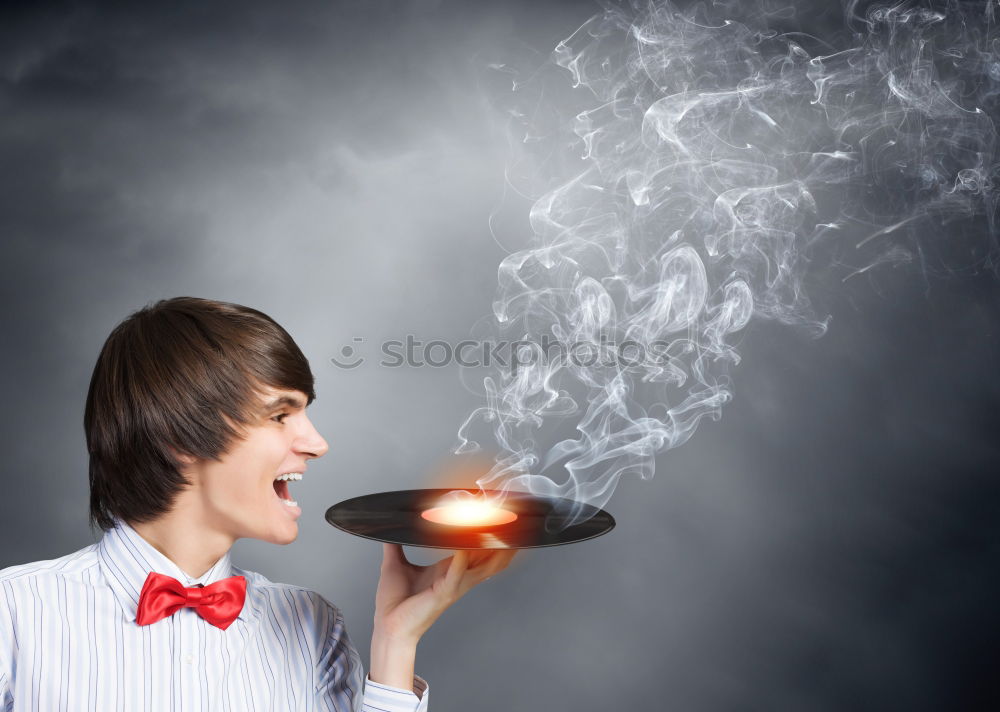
(286, 535)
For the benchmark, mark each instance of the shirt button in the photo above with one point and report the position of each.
(189, 658)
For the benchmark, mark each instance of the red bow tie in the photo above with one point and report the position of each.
(218, 603)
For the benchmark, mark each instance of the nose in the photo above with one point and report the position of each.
(310, 443)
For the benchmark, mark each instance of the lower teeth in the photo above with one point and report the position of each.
(290, 502)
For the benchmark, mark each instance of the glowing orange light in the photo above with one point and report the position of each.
(469, 513)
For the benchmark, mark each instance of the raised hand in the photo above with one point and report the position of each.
(410, 598)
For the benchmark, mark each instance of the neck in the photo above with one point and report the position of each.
(188, 542)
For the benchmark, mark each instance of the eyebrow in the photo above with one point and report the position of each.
(282, 402)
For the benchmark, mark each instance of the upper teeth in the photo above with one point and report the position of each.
(290, 476)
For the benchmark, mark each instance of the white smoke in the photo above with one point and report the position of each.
(717, 163)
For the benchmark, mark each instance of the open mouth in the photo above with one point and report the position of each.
(281, 487)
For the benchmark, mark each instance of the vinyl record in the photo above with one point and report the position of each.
(396, 517)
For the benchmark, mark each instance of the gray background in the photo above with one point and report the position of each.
(832, 543)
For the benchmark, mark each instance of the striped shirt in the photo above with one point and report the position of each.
(69, 641)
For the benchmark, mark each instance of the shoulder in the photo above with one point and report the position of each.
(70, 565)
(297, 613)
(293, 603)
(41, 581)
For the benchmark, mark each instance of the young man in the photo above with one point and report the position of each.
(196, 426)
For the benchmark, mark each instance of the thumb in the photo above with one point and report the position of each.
(393, 556)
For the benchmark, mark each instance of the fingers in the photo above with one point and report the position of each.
(456, 573)
(478, 557)
(493, 564)
(392, 554)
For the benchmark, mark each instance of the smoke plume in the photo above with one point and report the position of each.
(695, 169)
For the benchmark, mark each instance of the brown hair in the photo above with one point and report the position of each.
(177, 377)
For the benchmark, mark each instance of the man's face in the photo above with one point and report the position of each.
(240, 495)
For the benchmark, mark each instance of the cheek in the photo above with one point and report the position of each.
(245, 478)
(240, 483)
(229, 490)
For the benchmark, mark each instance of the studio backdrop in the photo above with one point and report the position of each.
(728, 271)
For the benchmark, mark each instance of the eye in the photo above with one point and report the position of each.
(280, 418)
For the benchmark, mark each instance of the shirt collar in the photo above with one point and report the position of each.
(127, 559)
